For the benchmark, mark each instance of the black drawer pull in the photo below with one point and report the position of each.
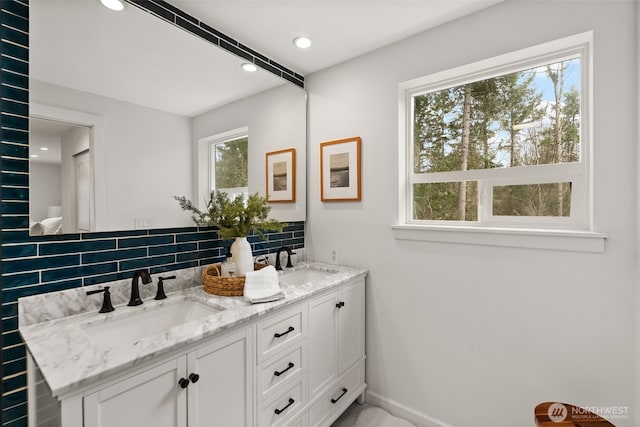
(183, 383)
(289, 366)
(344, 391)
(194, 378)
(340, 304)
(277, 335)
(279, 411)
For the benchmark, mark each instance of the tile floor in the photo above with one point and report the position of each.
(348, 418)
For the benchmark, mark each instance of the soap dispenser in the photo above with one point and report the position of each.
(228, 267)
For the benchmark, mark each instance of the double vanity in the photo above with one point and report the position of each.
(195, 359)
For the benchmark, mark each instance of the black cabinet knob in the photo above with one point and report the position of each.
(194, 378)
(340, 304)
(183, 383)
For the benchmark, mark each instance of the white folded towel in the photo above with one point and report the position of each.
(262, 286)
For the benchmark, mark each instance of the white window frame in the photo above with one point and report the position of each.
(206, 182)
(580, 222)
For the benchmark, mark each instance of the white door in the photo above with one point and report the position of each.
(222, 393)
(322, 343)
(83, 190)
(151, 398)
(350, 326)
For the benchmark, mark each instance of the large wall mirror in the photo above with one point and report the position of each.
(120, 104)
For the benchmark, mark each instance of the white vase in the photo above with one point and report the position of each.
(242, 256)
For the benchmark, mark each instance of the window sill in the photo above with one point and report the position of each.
(559, 240)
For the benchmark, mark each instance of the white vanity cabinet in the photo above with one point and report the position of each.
(336, 335)
(336, 352)
(300, 365)
(281, 366)
(149, 398)
(223, 394)
(211, 385)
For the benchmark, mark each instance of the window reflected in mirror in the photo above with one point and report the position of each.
(228, 168)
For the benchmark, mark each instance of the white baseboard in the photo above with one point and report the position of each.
(399, 410)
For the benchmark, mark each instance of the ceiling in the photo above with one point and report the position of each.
(340, 29)
(135, 57)
(45, 140)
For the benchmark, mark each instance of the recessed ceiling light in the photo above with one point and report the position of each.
(249, 67)
(302, 42)
(44, 148)
(116, 5)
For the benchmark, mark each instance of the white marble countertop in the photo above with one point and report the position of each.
(70, 359)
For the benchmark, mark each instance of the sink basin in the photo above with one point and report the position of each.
(128, 329)
(306, 275)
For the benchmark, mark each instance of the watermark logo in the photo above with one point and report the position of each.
(595, 413)
(557, 412)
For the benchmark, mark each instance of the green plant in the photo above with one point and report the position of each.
(234, 218)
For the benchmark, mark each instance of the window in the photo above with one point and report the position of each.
(500, 143)
(229, 171)
(228, 163)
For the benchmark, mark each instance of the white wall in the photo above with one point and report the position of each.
(145, 159)
(637, 284)
(44, 191)
(276, 120)
(74, 142)
(477, 335)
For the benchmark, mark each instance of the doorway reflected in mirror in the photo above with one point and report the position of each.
(60, 177)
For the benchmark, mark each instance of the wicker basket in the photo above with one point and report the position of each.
(214, 283)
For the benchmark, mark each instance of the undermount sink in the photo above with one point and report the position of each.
(128, 329)
(306, 275)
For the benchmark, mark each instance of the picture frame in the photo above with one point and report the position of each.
(281, 176)
(340, 170)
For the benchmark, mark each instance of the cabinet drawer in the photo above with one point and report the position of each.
(339, 396)
(280, 368)
(277, 332)
(280, 410)
(298, 421)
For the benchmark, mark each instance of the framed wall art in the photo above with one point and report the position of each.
(281, 176)
(340, 176)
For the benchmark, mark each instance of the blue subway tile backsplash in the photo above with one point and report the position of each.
(138, 263)
(145, 241)
(21, 221)
(14, 399)
(15, 165)
(16, 17)
(21, 279)
(17, 8)
(15, 65)
(38, 264)
(97, 257)
(18, 411)
(72, 247)
(11, 135)
(19, 251)
(182, 247)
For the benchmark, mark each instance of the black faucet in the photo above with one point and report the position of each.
(160, 292)
(289, 253)
(135, 291)
(106, 302)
